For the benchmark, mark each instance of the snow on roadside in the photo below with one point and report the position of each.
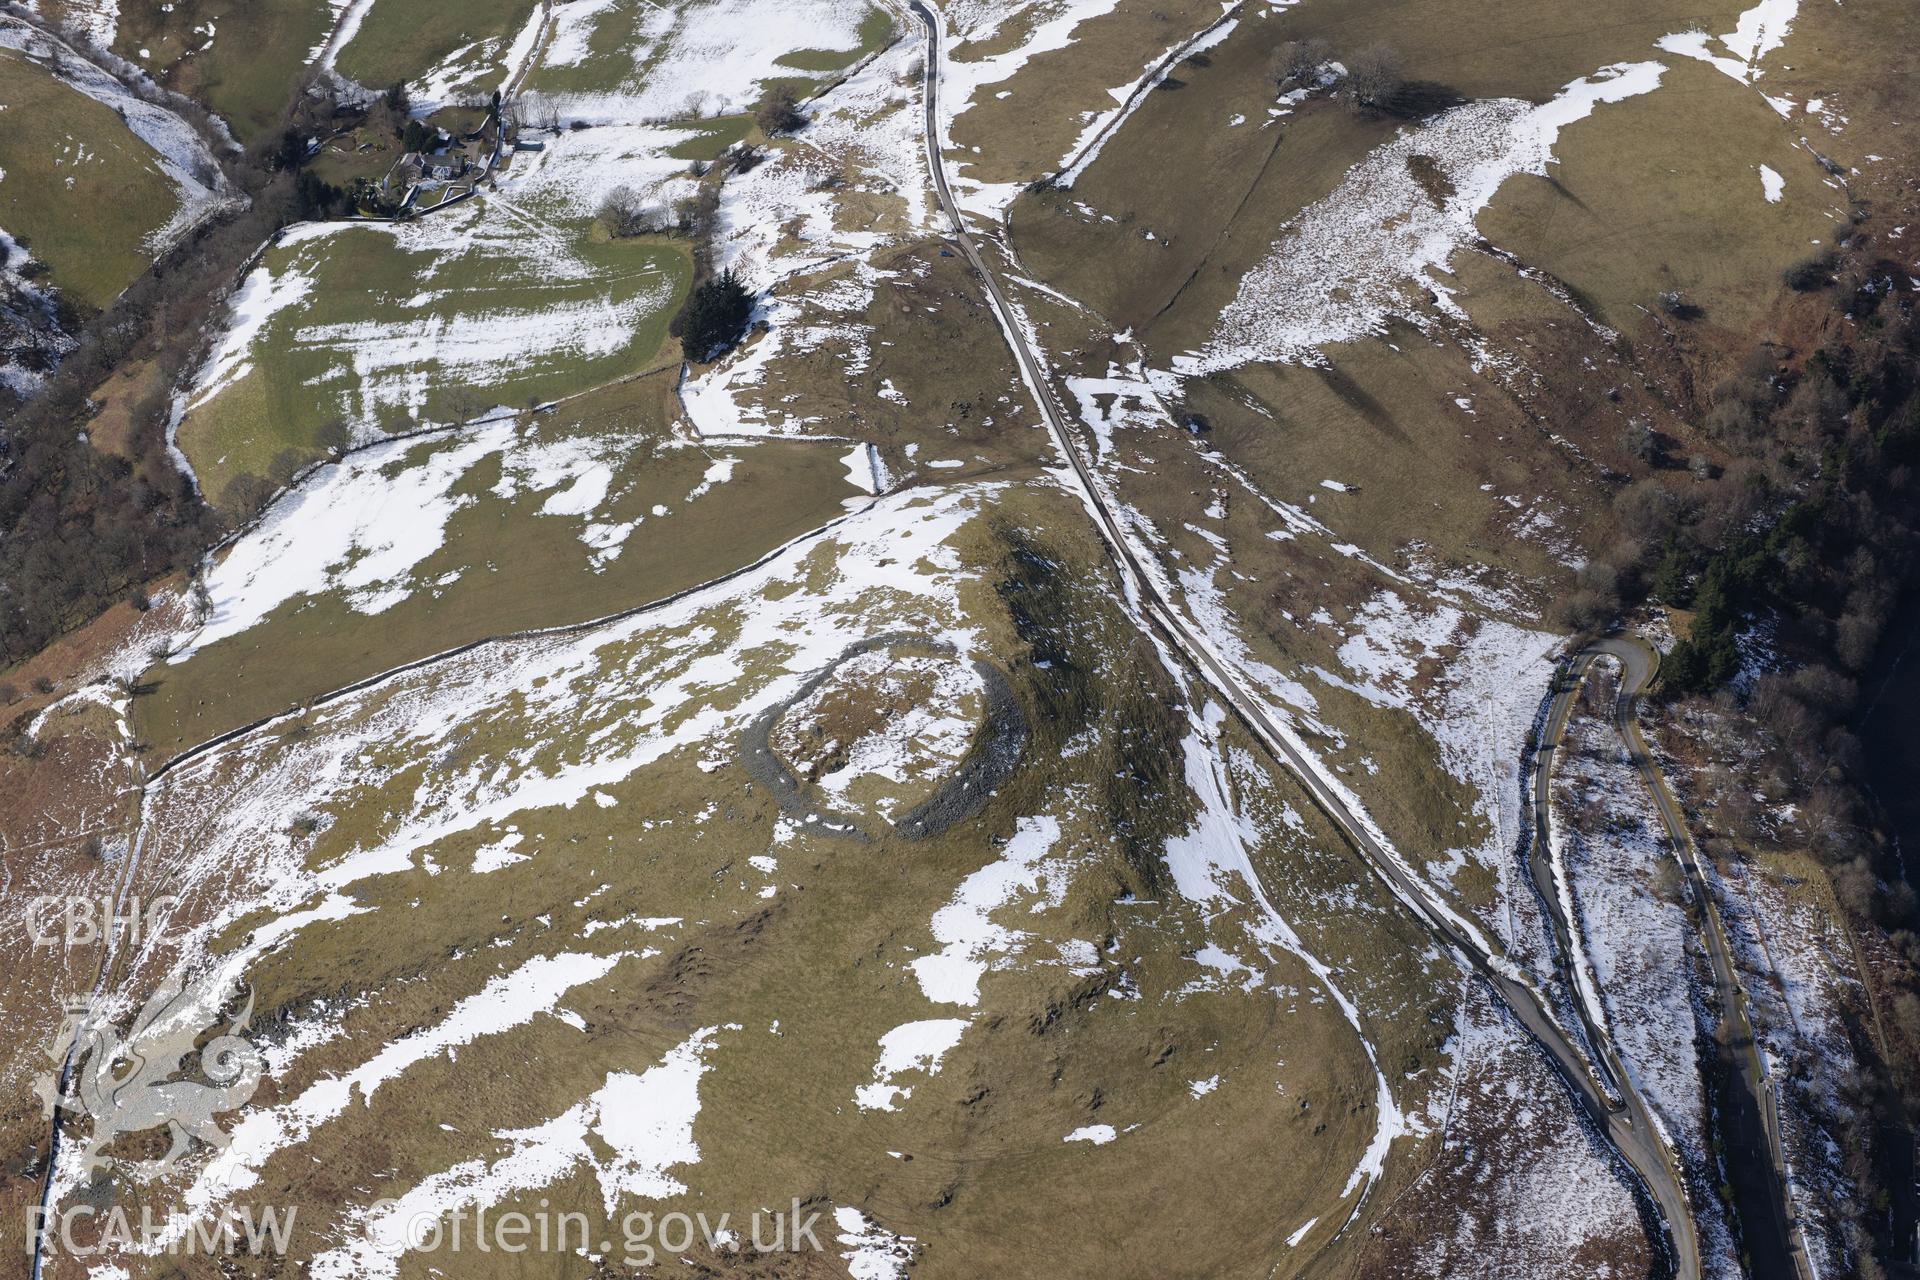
(1049, 25)
(1093, 139)
(1796, 966)
(1475, 685)
(1520, 1187)
(1621, 883)
(871, 122)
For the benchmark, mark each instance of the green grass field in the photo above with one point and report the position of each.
(611, 44)
(390, 334)
(1664, 193)
(83, 190)
(712, 137)
(517, 568)
(247, 72)
(1656, 192)
(405, 39)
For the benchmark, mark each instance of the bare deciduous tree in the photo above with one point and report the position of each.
(531, 110)
(1374, 76)
(626, 213)
(778, 112)
(1296, 62)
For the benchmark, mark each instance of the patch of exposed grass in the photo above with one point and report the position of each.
(245, 69)
(119, 396)
(405, 39)
(79, 186)
(516, 568)
(711, 137)
(874, 30)
(309, 364)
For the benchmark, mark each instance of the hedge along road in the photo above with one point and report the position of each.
(1627, 1123)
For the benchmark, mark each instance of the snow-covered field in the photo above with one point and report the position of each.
(687, 61)
(783, 230)
(359, 530)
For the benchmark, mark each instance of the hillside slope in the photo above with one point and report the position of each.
(1236, 659)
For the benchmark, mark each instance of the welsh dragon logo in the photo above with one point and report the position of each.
(130, 1083)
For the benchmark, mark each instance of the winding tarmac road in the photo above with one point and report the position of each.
(1626, 1123)
(1751, 1125)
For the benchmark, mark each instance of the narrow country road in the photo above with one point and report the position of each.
(1750, 1119)
(1628, 1125)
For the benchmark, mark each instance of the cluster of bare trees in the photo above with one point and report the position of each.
(778, 112)
(1374, 80)
(628, 212)
(1297, 64)
(531, 110)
